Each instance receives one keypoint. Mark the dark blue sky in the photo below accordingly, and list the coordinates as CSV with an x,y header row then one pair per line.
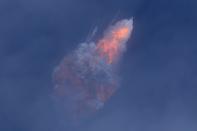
x,y
159,69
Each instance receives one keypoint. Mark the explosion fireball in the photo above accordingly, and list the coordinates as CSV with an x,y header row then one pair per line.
x,y
111,45
87,78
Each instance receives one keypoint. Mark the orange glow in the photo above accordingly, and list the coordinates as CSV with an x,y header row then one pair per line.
x,y
109,46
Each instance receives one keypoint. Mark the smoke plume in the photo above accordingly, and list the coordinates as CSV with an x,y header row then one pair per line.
x,y
87,78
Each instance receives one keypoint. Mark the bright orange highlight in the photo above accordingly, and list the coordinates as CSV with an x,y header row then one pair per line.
x,y
110,45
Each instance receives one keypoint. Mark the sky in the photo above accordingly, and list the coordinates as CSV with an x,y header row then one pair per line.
x,y
158,70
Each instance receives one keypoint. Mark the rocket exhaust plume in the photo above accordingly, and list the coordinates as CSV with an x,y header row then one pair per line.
x,y
87,78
